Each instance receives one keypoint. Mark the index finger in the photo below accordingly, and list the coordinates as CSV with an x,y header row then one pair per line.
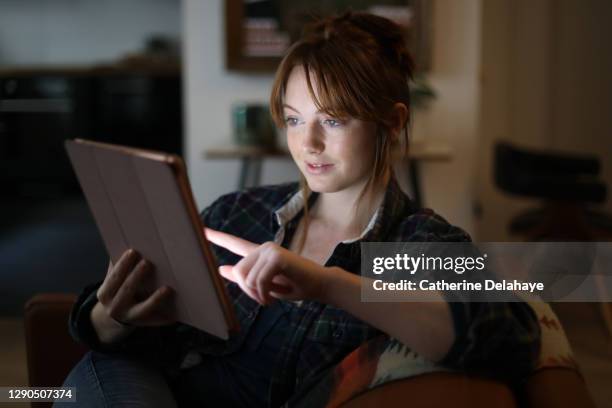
x,y
230,242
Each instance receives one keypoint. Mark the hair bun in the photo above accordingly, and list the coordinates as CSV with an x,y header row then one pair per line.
x,y
389,36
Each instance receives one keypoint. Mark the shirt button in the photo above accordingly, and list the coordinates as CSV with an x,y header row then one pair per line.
x,y
337,334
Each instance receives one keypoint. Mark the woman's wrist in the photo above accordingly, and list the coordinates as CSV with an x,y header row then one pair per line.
x,y
107,329
122,323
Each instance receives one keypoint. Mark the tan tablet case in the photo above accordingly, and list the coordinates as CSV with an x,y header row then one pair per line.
x,y
142,199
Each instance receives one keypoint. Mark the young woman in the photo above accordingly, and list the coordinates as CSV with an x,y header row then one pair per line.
x,y
291,254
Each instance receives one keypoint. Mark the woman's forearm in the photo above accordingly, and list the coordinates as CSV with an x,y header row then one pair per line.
x,y
425,327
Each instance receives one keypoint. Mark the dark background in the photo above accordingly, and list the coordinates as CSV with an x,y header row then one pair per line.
x,y
48,239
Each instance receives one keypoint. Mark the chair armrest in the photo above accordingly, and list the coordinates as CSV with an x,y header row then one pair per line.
x,y
436,390
557,387
51,352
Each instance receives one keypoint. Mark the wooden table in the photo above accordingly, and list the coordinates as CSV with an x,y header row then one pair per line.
x,y
252,158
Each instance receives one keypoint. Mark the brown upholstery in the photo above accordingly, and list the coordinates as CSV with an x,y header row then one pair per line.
x,y
558,388
437,390
52,353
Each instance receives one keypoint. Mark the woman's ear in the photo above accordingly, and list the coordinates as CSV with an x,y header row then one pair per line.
x,y
399,116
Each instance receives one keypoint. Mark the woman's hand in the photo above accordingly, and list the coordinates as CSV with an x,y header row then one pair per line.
x,y
269,271
123,301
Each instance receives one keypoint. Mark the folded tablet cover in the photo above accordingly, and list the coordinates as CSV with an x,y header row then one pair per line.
x,y
137,203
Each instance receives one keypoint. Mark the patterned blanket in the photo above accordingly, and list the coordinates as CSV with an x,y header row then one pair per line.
x,y
380,361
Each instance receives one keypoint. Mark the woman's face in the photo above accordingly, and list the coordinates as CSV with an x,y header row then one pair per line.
x,y
333,154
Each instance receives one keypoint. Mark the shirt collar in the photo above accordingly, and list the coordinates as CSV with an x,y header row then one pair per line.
x,y
393,206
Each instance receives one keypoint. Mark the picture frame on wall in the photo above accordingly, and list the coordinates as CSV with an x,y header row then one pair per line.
x,y
258,32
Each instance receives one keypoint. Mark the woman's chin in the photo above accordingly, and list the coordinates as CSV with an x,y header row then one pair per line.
x,y
319,186
323,186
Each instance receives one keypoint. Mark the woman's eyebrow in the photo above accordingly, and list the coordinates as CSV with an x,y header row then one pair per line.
x,y
290,107
297,111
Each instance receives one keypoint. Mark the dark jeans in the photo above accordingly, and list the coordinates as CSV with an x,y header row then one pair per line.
x,y
241,379
110,381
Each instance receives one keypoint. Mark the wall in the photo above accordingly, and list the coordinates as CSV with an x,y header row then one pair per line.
x,y
211,91
453,117
546,84
81,31
583,82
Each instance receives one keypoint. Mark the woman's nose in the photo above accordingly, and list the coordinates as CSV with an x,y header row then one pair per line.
x,y
312,140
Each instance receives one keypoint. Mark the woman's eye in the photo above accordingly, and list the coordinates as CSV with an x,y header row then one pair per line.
x,y
290,121
332,122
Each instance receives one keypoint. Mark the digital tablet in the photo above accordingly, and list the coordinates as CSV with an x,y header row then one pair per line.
x,y
142,199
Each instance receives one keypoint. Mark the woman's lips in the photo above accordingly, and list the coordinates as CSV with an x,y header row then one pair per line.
x,y
318,168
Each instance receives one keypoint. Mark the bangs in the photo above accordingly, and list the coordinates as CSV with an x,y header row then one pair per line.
x,y
335,85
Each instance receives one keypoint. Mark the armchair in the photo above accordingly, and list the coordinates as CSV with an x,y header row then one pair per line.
x,y
52,353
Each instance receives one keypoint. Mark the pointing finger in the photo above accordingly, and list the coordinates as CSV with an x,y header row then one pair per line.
x,y
281,286
230,242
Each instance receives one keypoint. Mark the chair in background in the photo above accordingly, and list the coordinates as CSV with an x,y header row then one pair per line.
x,y
567,184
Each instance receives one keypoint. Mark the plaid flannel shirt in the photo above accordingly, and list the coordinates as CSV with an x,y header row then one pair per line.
x,y
498,339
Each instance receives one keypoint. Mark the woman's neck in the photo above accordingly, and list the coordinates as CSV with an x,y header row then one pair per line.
x,y
338,209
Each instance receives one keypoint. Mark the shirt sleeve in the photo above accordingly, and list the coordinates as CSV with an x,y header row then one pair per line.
x,y
496,339
152,343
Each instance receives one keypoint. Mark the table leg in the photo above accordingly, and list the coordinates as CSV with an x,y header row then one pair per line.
x,y
250,173
415,185
244,171
255,172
